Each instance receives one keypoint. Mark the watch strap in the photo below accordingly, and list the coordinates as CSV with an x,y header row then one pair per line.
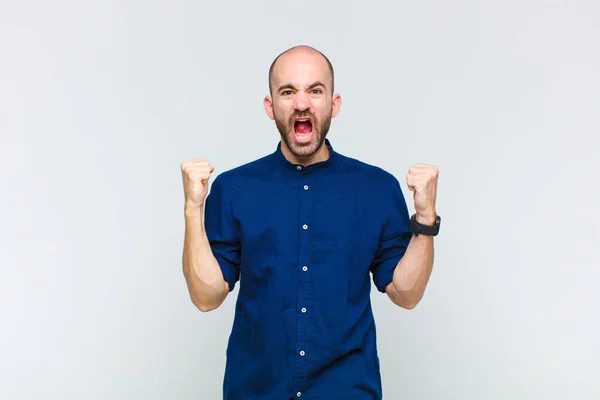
x,y
427,230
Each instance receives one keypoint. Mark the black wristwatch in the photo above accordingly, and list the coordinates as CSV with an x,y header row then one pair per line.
x,y
427,230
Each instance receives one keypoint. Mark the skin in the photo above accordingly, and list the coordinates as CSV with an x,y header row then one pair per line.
x,y
414,268
206,285
302,88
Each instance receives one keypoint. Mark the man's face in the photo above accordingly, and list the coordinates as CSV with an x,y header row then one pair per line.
x,y
302,102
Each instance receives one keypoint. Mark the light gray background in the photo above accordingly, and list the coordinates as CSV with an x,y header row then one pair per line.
x,y
101,101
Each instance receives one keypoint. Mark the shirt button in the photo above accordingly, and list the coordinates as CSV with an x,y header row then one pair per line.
x,y
305,187
304,226
303,309
298,168
302,353
305,268
299,394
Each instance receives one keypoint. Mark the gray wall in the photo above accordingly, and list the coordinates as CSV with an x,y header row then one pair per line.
x,y
101,101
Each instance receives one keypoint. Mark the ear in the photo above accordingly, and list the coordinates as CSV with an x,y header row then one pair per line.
x,y
336,105
268,104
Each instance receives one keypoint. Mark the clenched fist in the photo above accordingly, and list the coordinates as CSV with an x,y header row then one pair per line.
x,y
422,179
195,174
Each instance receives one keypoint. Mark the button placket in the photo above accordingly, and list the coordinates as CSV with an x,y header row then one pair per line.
x,y
305,194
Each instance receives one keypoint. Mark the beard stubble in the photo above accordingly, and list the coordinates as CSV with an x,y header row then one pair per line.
x,y
320,131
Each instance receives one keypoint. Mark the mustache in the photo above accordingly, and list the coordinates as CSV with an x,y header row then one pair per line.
x,y
303,115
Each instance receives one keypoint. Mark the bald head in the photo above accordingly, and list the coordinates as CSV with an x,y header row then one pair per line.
x,y
299,54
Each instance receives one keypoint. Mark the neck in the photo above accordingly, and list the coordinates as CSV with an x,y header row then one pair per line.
x,y
321,155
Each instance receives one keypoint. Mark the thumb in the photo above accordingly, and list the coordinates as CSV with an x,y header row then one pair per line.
x,y
207,178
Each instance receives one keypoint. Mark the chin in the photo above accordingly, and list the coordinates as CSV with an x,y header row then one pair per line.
x,y
303,148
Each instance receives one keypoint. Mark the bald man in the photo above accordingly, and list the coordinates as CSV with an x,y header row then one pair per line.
x,y
304,229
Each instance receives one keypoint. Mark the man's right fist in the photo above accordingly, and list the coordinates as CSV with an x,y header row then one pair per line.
x,y
195,174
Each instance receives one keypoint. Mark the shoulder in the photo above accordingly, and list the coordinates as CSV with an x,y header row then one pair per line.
x,y
377,184
368,173
242,174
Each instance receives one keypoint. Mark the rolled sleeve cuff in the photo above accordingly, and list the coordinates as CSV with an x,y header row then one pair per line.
x,y
383,274
230,272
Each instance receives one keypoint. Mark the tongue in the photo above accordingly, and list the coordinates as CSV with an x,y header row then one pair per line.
x,y
303,127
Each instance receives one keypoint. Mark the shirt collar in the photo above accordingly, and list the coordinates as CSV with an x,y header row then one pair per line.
x,y
280,158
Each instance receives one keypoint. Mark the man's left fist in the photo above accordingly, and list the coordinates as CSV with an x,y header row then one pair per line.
x,y
422,180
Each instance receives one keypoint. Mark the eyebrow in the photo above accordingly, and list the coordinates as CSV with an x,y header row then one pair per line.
x,y
290,86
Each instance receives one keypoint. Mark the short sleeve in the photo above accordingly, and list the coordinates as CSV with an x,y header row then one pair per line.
x,y
395,235
223,232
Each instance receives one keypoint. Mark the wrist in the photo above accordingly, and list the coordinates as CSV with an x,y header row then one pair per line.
x,y
193,210
427,218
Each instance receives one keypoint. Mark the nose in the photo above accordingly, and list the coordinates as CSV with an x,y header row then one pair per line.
x,y
301,102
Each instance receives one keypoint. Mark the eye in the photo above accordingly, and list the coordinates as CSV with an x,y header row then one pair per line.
x,y
286,92
317,91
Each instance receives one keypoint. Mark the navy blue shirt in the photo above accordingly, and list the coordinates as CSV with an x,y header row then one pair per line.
x,y
304,244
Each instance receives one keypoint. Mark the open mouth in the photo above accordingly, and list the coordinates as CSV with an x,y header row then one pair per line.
x,y
303,129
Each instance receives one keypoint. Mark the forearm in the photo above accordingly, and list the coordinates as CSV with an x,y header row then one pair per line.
x,y
203,275
412,272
